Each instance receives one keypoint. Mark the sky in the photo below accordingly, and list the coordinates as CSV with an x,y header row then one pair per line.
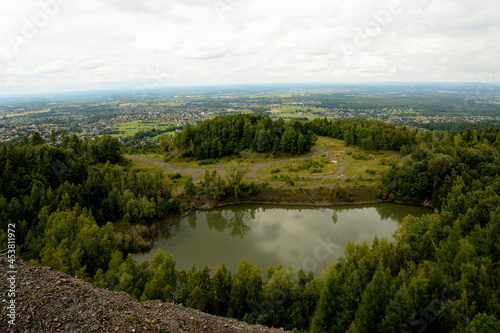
x,y
71,45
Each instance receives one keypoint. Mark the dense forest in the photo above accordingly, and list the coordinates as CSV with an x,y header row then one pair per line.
x,y
82,209
229,135
367,134
62,200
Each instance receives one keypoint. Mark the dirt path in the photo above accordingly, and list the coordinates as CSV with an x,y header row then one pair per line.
x,y
197,173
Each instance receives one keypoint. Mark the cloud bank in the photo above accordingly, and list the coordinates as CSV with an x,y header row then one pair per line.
x,y
53,45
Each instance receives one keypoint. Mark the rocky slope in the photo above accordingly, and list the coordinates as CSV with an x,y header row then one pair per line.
x,y
50,301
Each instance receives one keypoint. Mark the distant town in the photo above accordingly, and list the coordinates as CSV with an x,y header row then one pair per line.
x,y
148,117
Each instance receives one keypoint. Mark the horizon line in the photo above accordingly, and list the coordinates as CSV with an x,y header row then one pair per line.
x,y
147,91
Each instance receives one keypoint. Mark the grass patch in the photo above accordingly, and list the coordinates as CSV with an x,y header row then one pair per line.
x,y
287,180
310,166
359,160
359,181
329,180
146,166
244,158
334,145
208,162
133,127
362,167
25,113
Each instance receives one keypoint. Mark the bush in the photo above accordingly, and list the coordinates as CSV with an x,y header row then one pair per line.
x,y
360,157
208,162
385,161
370,171
167,157
252,189
275,170
173,176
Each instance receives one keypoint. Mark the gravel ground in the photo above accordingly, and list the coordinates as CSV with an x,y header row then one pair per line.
x,y
50,301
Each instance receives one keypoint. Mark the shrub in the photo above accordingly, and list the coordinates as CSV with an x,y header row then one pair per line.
x,y
173,176
208,162
360,157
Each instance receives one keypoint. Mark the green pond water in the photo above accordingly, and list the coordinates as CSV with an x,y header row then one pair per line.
x,y
303,237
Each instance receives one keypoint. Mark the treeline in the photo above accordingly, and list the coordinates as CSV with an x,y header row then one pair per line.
x,y
229,135
367,134
459,126
440,160
64,204
31,163
286,299
221,136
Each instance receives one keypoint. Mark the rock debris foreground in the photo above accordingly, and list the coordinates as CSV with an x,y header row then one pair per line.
x,y
51,301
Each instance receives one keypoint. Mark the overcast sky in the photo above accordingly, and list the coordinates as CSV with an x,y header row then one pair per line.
x,y
61,45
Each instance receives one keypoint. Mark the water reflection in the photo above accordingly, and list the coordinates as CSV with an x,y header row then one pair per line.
x,y
268,234
236,222
168,227
335,217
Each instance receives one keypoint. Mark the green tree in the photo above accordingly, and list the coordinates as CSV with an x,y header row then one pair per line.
x,y
165,143
235,174
483,323
288,140
53,138
373,302
263,141
163,281
222,284
189,188
37,139
246,290
398,312
213,184
326,315
279,293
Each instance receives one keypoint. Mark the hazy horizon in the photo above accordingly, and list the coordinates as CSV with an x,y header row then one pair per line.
x,y
139,90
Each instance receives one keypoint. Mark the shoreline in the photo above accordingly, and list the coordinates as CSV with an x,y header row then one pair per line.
x,y
309,204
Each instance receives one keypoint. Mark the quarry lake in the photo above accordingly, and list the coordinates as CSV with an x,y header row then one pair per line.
x,y
304,237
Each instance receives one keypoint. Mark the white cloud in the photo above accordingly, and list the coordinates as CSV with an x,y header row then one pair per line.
x,y
236,41
50,67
